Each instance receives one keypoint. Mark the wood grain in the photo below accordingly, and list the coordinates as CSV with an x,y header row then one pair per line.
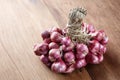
x,y
22,21
104,15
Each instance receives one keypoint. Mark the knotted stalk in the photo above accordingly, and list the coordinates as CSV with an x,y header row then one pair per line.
x,y
74,27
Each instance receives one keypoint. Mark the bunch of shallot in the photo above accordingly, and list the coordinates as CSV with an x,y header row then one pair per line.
x,y
64,50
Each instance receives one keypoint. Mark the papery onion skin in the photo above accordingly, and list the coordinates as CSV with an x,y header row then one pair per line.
x,y
68,48
82,50
56,29
69,57
53,45
45,60
54,54
40,49
100,56
56,37
90,28
66,41
93,59
45,34
100,35
80,63
70,69
47,40
94,46
58,67
102,49
104,41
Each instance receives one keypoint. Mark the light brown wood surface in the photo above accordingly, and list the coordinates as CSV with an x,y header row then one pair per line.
x,y
22,21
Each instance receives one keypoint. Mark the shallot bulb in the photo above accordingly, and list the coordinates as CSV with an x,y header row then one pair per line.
x,y
94,46
68,48
100,56
100,35
54,54
53,45
102,49
93,59
69,57
55,29
45,34
82,51
40,49
45,60
47,40
80,55
66,41
80,63
70,69
104,41
56,37
58,67
90,28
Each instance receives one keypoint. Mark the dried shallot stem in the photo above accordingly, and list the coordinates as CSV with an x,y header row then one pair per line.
x,y
74,26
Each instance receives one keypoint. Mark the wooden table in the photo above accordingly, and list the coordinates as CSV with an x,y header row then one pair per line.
x,y
22,21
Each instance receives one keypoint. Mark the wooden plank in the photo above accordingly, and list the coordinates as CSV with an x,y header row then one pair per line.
x,y
21,22
104,15
8,70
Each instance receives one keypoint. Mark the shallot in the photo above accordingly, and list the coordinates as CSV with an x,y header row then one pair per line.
x,y
56,37
91,58
47,40
100,35
82,51
40,49
45,60
68,48
54,54
58,67
69,57
94,46
66,41
104,41
45,34
55,29
80,63
53,45
70,68
73,47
